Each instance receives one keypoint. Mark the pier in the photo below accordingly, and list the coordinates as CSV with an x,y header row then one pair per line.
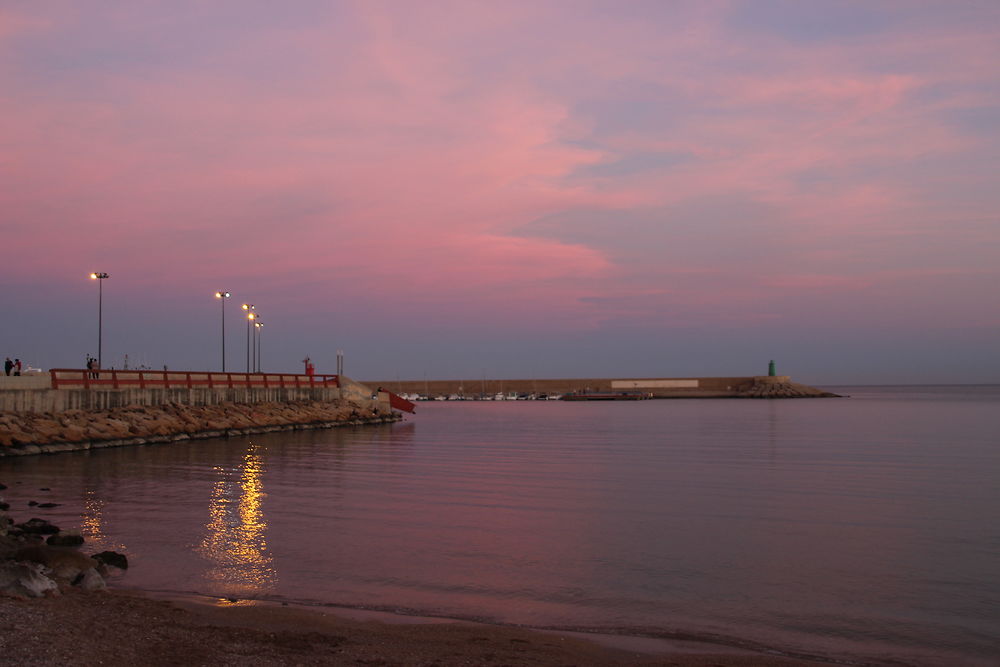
x,y
70,409
759,386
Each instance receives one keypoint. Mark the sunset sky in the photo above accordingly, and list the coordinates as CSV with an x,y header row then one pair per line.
x,y
506,189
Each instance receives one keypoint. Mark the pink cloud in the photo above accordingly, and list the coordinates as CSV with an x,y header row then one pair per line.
x,y
412,150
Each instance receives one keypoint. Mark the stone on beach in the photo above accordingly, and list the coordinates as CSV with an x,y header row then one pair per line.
x,y
31,569
19,579
65,539
112,558
37,527
64,562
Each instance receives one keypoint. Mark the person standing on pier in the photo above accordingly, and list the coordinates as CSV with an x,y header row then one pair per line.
x,y
7,366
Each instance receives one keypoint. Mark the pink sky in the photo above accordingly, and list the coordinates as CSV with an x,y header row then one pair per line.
x,y
507,189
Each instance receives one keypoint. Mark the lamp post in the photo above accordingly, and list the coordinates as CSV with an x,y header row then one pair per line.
x,y
100,278
249,307
222,296
258,335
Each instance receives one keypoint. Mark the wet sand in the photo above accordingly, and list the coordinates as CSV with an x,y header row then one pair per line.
x,y
126,628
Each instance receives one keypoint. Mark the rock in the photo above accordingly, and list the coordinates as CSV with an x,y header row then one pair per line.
x,y
65,540
74,433
25,580
8,545
90,580
38,527
112,558
65,563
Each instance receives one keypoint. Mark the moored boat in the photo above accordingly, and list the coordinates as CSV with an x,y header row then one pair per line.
x,y
608,396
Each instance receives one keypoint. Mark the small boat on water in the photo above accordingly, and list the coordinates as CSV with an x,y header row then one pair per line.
x,y
607,396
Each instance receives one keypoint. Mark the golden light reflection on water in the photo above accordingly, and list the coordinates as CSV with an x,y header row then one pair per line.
x,y
92,523
236,533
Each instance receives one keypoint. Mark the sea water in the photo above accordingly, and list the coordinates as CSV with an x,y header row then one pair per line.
x,y
857,529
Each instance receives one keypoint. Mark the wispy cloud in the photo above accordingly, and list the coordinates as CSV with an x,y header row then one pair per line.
x,y
559,165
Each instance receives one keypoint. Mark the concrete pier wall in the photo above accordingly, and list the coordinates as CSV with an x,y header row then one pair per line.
x,y
657,386
689,387
35,419
34,394
59,400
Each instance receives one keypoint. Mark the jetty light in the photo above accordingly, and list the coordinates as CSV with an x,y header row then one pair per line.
x,y
249,307
99,276
222,295
257,326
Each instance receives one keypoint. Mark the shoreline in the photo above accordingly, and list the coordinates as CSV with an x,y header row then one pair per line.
x,y
641,644
121,626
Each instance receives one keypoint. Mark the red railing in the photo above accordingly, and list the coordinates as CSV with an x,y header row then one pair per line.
x,y
117,379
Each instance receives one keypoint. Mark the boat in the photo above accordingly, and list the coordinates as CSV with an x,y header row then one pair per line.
x,y
607,396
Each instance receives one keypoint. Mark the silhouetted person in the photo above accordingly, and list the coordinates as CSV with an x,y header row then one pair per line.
x,y
7,366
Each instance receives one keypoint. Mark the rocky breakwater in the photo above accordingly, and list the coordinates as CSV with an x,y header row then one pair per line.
x,y
48,432
38,559
781,386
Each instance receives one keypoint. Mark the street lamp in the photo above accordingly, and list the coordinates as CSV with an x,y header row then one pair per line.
x,y
249,307
100,278
222,296
258,335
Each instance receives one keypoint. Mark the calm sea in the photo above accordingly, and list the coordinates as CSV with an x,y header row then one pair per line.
x,y
859,529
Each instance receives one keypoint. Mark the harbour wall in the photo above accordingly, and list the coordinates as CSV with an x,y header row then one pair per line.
x,y
780,386
26,433
37,419
35,394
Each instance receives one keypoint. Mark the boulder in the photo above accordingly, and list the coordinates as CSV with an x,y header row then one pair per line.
x,y
112,558
25,580
65,540
8,545
64,563
90,580
74,433
38,527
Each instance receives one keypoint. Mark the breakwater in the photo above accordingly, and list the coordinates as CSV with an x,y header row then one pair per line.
x,y
781,386
72,409
50,432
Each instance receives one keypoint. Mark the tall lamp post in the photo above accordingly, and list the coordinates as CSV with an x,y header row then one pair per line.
x,y
249,307
258,335
100,278
222,296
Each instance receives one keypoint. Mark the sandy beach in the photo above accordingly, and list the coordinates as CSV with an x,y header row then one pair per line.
x,y
128,628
